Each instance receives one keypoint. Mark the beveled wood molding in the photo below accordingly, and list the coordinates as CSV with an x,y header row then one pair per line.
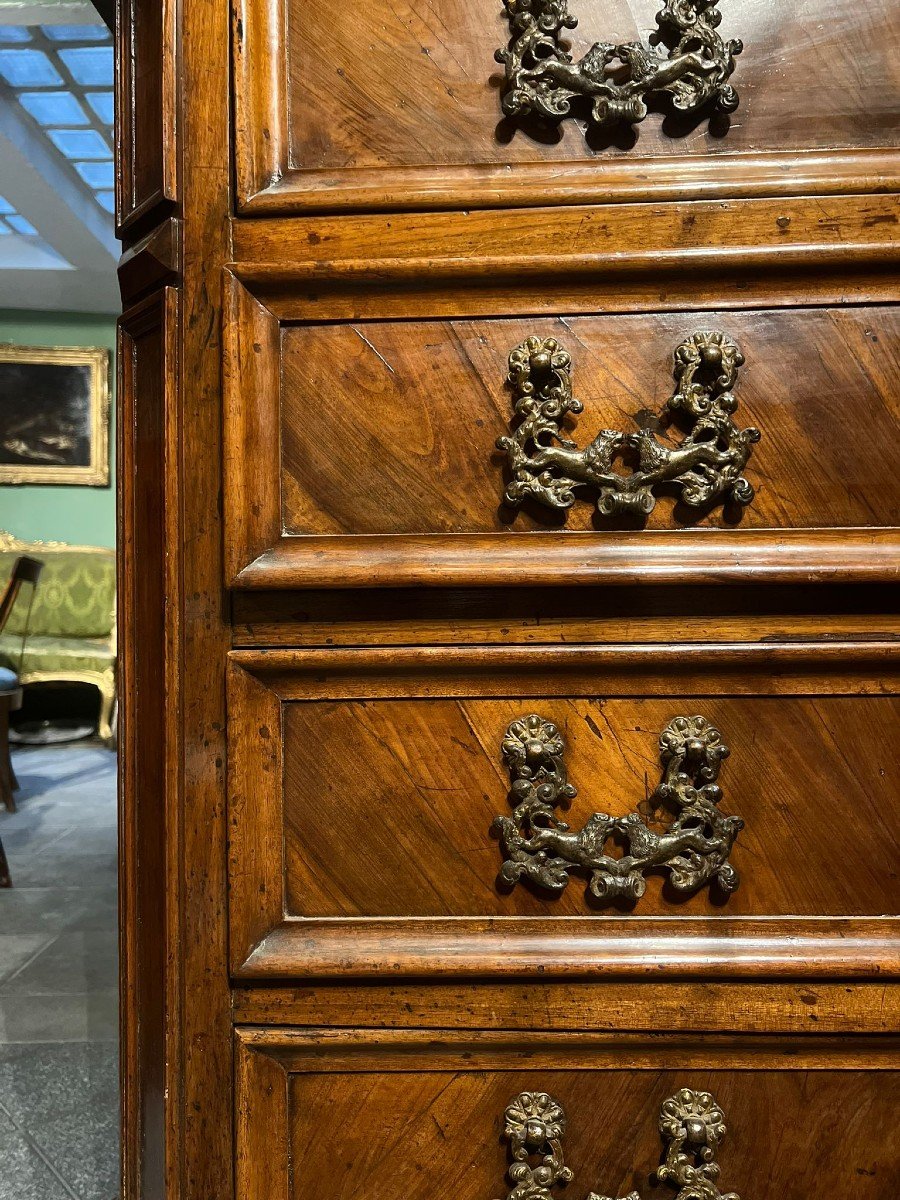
x,y
271,188
151,262
680,948
268,945
612,258
703,556
833,668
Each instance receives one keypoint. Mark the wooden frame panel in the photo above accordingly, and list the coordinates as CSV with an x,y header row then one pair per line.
x,y
267,944
263,297
149,690
146,111
286,1079
268,181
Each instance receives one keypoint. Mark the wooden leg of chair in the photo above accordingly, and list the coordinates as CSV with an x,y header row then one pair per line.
x,y
5,880
107,700
7,779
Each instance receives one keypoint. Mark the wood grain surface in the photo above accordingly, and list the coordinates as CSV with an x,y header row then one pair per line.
x,y
391,427
332,106
368,1115
388,804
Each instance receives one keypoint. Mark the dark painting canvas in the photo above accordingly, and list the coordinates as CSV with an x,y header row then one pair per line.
x,y
53,416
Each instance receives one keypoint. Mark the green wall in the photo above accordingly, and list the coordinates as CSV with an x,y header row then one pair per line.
x,y
85,516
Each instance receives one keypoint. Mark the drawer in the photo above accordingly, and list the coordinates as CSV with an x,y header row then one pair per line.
x,y
408,452
386,106
355,1114
447,810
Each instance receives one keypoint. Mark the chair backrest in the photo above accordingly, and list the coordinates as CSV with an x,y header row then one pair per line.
x,y
77,596
24,570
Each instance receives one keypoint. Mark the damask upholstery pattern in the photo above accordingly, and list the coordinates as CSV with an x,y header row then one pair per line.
x,y
71,630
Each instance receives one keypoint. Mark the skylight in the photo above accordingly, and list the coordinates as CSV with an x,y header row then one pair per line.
x,y
62,78
21,246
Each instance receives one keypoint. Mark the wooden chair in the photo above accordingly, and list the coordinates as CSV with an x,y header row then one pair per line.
x,y
25,570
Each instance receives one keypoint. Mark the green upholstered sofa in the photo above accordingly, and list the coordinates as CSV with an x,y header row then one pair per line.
x,y
72,627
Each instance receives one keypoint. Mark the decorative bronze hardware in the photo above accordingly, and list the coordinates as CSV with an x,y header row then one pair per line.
x,y
694,849
706,465
542,78
691,1124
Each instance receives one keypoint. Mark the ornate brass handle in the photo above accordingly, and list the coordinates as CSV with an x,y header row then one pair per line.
x,y
540,847
692,68
691,1124
706,465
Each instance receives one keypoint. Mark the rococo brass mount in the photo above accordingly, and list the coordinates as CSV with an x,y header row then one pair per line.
x,y
691,1124
542,78
694,849
706,465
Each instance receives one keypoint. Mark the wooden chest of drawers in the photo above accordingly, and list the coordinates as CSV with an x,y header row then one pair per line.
x,y
509,535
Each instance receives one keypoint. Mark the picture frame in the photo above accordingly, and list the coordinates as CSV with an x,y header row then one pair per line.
x,y
54,415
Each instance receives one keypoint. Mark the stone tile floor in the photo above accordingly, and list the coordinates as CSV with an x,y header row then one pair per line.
x,y
59,1084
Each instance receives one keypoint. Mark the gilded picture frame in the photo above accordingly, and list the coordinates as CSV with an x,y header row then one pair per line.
x,y
54,415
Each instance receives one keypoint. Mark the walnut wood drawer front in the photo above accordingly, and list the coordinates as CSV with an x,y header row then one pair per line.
x,y
352,1115
386,106
366,454
461,811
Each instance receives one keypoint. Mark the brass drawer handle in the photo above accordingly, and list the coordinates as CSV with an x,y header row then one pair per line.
x,y
706,465
691,67
542,849
691,1124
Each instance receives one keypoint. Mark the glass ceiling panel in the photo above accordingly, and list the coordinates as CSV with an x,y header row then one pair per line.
x,y
20,225
75,33
102,104
28,68
21,246
91,66
63,82
80,143
96,174
54,108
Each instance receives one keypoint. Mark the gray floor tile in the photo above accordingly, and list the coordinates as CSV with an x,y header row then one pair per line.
x,y
23,1173
64,1017
17,949
66,1097
74,961
63,865
58,980
51,910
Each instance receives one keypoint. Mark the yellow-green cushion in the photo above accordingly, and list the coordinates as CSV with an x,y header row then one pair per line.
x,y
75,597
55,655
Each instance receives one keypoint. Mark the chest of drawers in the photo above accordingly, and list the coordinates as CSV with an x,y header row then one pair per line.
x,y
510,553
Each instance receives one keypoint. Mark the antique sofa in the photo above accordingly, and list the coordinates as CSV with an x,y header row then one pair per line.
x,y
72,627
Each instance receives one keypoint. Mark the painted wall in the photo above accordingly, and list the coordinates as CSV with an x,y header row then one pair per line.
x,y
85,516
